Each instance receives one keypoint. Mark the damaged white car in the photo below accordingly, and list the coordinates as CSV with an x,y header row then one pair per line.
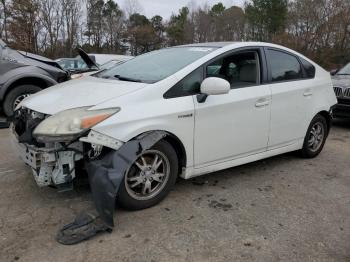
x,y
181,111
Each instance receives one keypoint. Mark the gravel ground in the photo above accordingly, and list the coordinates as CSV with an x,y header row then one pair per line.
x,y
280,209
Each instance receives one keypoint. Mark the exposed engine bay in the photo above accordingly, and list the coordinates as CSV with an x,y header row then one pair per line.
x,y
52,164
55,163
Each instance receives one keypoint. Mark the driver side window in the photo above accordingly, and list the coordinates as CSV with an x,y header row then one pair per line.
x,y
240,69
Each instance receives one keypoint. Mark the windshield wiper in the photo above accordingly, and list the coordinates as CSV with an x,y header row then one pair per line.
x,y
123,78
343,74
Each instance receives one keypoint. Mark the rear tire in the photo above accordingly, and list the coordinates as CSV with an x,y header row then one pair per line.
x,y
16,95
161,179
315,137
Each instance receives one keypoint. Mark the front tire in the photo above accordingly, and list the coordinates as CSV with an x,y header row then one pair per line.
x,y
16,95
315,137
150,178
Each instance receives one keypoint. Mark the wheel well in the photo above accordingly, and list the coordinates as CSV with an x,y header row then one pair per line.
x,y
328,118
28,81
179,148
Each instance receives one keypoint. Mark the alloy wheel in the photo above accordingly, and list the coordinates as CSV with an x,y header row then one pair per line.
x,y
148,175
316,136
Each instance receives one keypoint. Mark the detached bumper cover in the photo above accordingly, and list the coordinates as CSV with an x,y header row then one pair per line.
x,y
105,176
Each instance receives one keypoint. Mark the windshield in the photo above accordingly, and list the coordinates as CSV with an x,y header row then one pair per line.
x,y
157,65
345,70
110,64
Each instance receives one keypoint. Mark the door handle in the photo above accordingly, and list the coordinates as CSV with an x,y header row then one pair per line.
x,y
308,92
262,102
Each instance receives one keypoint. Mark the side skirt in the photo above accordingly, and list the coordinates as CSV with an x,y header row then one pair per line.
x,y
191,172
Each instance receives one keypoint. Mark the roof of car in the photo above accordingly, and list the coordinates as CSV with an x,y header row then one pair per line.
x,y
210,44
65,58
232,43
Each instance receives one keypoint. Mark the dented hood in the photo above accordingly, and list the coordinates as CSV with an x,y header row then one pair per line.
x,y
87,91
30,57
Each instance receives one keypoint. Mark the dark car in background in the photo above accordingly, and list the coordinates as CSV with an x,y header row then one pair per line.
x,y
85,63
73,64
341,85
22,74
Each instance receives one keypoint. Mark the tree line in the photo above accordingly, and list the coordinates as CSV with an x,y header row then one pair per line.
x,y
320,29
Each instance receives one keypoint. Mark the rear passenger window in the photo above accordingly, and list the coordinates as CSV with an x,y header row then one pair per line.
x,y
284,67
309,68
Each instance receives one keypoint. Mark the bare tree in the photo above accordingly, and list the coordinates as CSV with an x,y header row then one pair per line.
x,y
321,32
3,17
234,24
24,26
132,7
71,15
202,23
52,21
113,25
320,29
95,23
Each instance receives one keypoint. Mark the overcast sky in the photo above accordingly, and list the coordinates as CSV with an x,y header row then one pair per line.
x,y
166,7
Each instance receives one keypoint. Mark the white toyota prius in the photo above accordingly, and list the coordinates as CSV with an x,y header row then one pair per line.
x,y
192,110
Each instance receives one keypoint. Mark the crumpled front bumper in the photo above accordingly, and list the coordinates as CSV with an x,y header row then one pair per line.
x,y
50,165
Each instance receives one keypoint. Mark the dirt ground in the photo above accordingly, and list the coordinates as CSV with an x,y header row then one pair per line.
x,y
280,209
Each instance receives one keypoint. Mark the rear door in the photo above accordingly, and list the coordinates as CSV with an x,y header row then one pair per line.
x,y
292,93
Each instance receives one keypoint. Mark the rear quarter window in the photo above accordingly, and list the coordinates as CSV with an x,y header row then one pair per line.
x,y
310,70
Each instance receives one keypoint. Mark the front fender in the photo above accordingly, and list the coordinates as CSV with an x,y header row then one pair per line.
x,y
128,131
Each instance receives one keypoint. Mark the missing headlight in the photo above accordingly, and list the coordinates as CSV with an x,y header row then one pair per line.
x,y
24,122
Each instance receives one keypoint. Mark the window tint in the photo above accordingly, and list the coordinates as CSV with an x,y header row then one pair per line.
x,y
284,66
190,85
309,68
241,69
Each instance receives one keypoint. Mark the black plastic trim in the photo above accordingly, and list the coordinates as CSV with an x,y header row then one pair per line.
x,y
201,98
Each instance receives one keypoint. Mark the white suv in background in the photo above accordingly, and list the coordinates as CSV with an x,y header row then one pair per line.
x,y
209,107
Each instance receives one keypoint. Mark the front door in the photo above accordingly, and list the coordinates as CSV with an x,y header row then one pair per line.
x,y
235,124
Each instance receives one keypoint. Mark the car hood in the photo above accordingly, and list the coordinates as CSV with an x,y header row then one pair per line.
x,y
29,57
341,80
87,59
87,91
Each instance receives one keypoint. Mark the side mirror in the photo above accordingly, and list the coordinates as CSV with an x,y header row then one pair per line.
x,y
213,86
334,71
